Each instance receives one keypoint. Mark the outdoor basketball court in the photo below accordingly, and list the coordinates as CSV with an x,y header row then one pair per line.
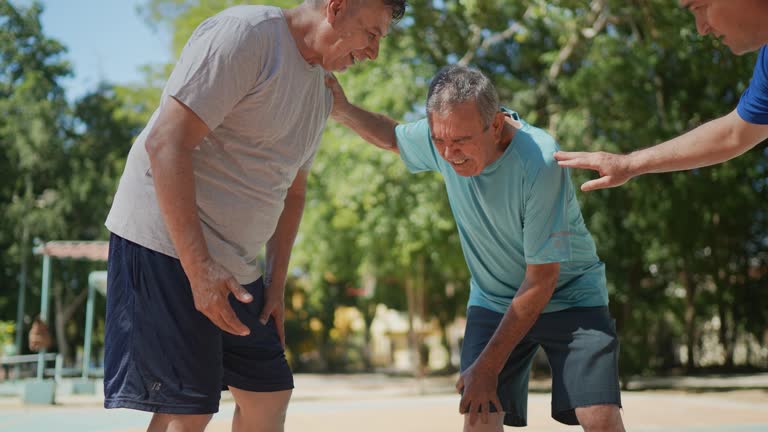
x,y
377,404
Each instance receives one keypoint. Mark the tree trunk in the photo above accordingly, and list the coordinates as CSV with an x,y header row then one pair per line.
x,y
725,334
690,314
64,313
368,309
413,343
445,342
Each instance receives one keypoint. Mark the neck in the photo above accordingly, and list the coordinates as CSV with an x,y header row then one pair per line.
x,y
508,132
302,23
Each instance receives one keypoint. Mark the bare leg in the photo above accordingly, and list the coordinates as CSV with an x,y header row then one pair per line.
x,y
495,423
179,422
600,418
260,411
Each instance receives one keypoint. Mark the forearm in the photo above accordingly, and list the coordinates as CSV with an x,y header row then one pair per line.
x,y
709,144
175,188
375,128
279,246
523,312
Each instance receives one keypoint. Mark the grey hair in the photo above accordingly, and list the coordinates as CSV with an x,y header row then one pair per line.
x,y
454,84
398,7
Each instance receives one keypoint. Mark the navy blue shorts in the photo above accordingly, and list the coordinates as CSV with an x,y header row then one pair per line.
x,y
162,355
583,353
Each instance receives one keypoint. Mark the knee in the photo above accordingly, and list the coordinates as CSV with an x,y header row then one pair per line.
x,y
254,414
179,422
600,418
261,411
495,423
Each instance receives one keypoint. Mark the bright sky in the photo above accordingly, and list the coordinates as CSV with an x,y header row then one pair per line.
x,y
107,40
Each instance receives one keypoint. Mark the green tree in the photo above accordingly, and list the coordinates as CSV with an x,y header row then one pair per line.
x,y
60,166
612,75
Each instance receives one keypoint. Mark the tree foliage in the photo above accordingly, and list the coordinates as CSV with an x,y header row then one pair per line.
x,y
683,250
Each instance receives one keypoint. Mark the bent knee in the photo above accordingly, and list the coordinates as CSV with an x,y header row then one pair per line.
x,y
600,418
179,422
495,423
268,407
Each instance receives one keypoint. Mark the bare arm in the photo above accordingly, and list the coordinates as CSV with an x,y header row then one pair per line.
x,y
479,381
377,129
177,131
279,252
709,144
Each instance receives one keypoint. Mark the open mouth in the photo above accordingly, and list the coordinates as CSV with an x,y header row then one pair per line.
x,y
459,161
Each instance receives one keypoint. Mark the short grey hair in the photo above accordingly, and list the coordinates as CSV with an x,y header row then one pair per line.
x,y
454,84
398,6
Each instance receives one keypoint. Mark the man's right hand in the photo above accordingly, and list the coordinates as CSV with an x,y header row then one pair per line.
x,y
211,284
613,168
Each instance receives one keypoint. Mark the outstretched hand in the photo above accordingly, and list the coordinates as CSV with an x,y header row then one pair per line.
x,y
339,98
613,168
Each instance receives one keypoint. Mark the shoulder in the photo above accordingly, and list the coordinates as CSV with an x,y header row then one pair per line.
x,y
246,24
417,131
253,15
536,149
762,60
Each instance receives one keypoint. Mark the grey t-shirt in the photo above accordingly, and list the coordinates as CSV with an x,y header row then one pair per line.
x,y
266,107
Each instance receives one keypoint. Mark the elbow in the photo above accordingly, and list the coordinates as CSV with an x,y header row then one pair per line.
x,y
159,146
391,141
392,146
152,146
544,276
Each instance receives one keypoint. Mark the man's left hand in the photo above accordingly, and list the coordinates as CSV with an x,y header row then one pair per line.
x,y
274,306
477,385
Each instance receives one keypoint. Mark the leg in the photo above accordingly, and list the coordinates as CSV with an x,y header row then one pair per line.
x,y
161,355
582,349
495,423
260,411
600,418
512,387
255,369
178,423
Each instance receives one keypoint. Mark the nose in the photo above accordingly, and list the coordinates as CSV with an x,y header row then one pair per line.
x,y
370,52
449,152
702,26
373,49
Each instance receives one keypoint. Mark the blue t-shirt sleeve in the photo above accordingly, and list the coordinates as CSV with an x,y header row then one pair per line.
x,y
546,238
415,145
753,106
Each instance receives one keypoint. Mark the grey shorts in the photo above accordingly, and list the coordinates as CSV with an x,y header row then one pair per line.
x,y
582,349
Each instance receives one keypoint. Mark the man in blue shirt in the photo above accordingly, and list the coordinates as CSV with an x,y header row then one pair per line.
x,y
536,278
741,24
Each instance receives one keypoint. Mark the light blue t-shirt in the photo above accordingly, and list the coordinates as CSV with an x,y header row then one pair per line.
x,y
520,210
753,105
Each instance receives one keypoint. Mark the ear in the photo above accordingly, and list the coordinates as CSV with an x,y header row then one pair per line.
x,y
498,124
333,9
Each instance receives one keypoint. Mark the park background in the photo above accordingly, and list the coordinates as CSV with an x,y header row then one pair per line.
x,y
377,279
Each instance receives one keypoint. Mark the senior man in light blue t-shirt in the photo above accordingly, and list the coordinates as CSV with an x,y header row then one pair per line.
x,y
536,278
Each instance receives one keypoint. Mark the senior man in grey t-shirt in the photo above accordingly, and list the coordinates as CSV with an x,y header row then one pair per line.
x,y
219,173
